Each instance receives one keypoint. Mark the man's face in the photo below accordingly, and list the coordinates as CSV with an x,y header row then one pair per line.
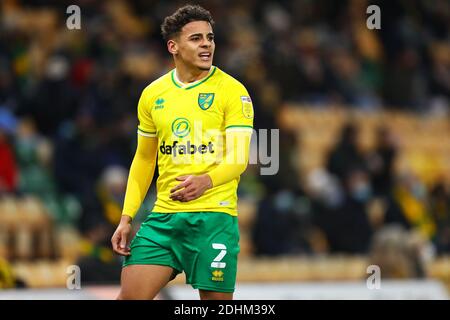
x,y
194,46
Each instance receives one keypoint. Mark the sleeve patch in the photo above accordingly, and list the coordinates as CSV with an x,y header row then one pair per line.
x,y
247,107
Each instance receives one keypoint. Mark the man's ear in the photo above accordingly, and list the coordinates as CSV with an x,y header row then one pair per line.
x,y
172,47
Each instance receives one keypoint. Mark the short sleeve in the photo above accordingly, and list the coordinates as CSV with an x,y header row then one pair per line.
x,y
239,109
146,127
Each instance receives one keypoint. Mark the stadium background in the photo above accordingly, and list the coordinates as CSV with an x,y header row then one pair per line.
x,y
364,173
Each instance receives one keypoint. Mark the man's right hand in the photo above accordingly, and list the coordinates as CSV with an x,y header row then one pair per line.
x,y
120,238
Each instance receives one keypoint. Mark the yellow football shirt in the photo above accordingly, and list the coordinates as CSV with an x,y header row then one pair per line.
x,y
190,122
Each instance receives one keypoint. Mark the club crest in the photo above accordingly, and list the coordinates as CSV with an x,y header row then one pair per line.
x,y
205,100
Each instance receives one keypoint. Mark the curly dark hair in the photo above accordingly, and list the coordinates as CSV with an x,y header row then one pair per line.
x,y
173,24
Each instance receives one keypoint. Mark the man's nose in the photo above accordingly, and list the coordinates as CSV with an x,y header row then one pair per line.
x,y
206,43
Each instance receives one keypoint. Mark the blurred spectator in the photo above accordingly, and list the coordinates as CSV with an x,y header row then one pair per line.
x,y
8,168
389,212
54,99
381,162
288,175
8,279
400,254
79,156
405,85
35,153
347,80
111,192
282,220
97,261
440,75
411,195
346,155
440,210
349,229
104,205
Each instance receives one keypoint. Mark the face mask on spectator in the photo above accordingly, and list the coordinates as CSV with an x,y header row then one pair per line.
x,y
361,192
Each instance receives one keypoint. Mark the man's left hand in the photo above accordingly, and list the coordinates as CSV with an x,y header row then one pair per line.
x,y
192,187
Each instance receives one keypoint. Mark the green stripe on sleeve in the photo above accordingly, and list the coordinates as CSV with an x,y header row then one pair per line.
x,y
153,132
237,126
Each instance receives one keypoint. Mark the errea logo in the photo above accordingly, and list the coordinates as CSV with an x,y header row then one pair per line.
x,y
159,103
217,275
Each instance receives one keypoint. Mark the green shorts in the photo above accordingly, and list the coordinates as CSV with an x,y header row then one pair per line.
x,y
205,245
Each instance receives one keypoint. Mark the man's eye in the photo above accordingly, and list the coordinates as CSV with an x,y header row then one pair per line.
x,y
195,38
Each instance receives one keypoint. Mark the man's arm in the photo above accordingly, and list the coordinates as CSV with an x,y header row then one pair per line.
x,y
236,158
141,174
232,166
139,179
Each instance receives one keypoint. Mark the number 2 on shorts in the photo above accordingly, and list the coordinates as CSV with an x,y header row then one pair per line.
x,y
217,260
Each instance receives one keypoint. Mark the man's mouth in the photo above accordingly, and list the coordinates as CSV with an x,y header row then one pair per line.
x,y
205,56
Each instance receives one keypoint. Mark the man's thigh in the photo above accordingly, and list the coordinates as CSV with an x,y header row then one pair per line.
x,y
209,253
151,263
143,282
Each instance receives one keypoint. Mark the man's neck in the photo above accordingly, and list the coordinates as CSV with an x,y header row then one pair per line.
x,y
187,75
